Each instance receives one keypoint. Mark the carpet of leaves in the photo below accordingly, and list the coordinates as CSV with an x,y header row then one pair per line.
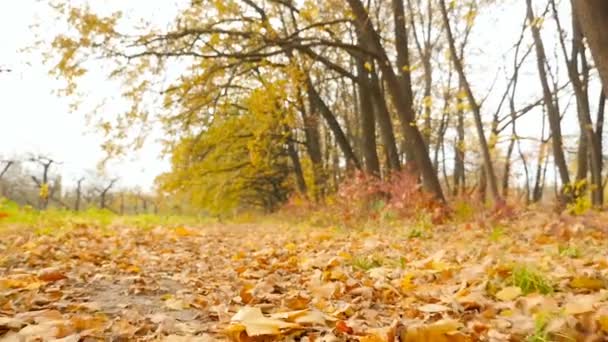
x,y
537,278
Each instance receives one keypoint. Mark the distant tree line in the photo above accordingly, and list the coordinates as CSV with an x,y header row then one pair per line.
x,y
36,181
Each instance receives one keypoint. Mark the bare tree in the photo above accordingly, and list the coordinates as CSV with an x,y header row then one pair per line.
x,y
490,175
46,190
400,91
593,16
553,114
6,167
103,193
78,194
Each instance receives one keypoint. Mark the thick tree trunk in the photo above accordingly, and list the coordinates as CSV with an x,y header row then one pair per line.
x,y
593,18
400,93
403,77
590,150
367,119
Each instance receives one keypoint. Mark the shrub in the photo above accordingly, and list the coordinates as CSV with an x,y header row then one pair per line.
x,y
364,197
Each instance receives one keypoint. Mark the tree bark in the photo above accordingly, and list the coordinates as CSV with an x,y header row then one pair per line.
x,y
385,124
333,125
593,18
402,102
552,111
297,166
475,108
367,119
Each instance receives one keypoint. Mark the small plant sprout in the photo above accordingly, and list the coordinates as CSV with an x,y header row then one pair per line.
x,y
569,251
530,280
366,263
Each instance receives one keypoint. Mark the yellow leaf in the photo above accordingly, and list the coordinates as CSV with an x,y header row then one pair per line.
x,y
409,68
183,231
345,255
406,283
257,324
508,293
368,66
427,101
603,320
444,330
580,304
433,308
176,304
587,283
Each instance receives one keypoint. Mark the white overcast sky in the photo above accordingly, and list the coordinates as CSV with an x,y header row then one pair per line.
x,y
34,120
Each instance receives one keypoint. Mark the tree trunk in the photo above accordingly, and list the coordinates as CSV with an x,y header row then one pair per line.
x,y
333,125
385,124
313,146
593,18
402,102
590,150
367,119
483,144
459,155
403,78
552,111
297,166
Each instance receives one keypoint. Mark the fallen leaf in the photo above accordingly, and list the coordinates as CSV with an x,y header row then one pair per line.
x,y
341,326
176,304
580,304
440,331
509,293
257,324
433,308
51,275
587,283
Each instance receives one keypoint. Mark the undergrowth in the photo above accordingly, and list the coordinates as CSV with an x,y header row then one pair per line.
x,y
530,280
53,220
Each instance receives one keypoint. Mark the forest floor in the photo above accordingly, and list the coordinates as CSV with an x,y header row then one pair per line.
x,y
538,278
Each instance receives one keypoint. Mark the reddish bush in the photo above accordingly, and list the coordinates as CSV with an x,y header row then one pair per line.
x,y
364,196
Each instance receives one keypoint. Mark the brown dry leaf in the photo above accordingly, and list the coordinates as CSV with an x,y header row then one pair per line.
x,y
176,304
45,331
433,308
257,324
603,321
580,304
11,323
444,330
588,283
179,338
81,323
509,293
305,317
51,275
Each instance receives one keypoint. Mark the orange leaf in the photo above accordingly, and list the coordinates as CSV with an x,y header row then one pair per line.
x,y
343,327
52,276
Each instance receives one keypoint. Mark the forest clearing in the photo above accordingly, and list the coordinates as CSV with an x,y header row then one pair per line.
x,y
304,170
